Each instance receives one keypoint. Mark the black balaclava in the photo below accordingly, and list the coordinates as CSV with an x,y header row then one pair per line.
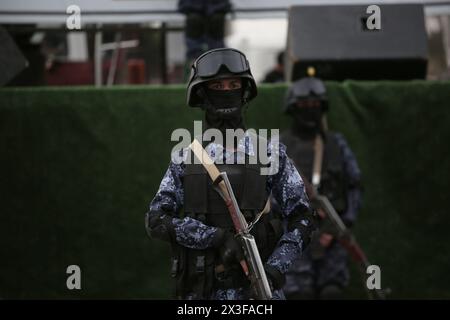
x,y
307,120
225,109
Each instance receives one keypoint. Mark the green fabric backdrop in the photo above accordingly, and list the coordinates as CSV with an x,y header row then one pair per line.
x,y
79,166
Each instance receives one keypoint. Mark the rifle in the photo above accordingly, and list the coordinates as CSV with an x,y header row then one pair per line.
x,y
345,238
252,265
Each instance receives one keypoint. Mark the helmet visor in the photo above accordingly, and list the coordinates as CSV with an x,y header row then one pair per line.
x,y
210,64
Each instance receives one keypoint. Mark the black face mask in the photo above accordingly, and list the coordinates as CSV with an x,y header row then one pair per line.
x,y
308,120
226,104
225,110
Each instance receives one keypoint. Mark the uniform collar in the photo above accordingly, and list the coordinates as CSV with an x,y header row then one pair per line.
x,y
245,146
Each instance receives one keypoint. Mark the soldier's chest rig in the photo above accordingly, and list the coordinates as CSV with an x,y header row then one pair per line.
x,y
333,182
202,202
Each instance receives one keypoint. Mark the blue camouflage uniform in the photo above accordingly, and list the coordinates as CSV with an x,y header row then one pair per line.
x,y
286,186
309,274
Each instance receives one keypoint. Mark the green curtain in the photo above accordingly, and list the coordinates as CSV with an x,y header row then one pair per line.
x,y
79,166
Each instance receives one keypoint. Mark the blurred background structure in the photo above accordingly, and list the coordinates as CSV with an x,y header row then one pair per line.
x,y
142,42
79,166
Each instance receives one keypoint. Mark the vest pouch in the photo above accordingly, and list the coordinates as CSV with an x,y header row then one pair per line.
x,y
199,275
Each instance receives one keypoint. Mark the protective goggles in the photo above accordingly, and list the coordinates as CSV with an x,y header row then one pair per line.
x,y
210,63
313,86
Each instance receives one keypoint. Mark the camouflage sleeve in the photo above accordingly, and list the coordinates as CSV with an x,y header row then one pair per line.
x,y
289,191
194,234
165,208
289,248
353,174
170,195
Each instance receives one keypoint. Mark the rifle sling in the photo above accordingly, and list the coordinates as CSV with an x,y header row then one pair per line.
x,y
318,160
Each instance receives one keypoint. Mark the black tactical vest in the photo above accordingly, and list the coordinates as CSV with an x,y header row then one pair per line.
x,y
333,181
195,269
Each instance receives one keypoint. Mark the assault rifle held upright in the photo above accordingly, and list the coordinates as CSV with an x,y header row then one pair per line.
x,y
340,231
252,265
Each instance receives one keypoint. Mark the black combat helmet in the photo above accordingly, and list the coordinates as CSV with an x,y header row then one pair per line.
x,y
217,64
306,88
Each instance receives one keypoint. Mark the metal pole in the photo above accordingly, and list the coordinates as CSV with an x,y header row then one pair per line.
x,y
98,52
114,60
163,48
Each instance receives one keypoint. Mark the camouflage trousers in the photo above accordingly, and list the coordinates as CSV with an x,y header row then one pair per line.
x,y
316,271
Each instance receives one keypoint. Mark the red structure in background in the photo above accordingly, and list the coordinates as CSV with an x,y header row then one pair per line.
x,y
136,71
82,73
70,73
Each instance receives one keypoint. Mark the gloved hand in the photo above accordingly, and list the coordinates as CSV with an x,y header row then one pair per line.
x,y
159,225
231,250
275,277
305,222
326,239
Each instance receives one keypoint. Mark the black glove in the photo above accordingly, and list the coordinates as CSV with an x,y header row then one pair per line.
x,y
348,223
275,277
298,219
159,225
230,249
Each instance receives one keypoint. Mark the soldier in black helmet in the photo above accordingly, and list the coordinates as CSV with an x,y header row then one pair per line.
x,y
322,271
187,212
